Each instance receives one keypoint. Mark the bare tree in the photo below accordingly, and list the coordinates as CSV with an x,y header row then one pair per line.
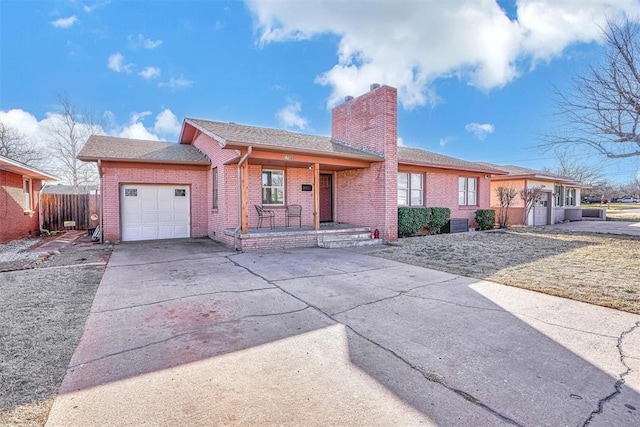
x,y
16,146
602,110
569,165
505,197
530,196
68,132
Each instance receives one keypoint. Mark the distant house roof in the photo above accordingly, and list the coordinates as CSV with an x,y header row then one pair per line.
x,y
25,170
233,135
520,172
100,147
417,156
68,189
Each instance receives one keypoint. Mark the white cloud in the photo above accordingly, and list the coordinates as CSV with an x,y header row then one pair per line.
x,y
474,41
401,142
137,131
64,22
116,63
176,83
289,116
446,140
167,123
141,41
480,130
150,72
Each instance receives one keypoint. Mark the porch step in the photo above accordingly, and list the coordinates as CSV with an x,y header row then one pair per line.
x,y
347,240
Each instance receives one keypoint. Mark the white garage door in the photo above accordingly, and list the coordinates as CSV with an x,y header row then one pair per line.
x,y
152,212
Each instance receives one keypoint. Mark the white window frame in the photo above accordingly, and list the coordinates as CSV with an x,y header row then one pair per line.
x,y
215,191
570,197
410,189
27,184
559,195
464,192
273,187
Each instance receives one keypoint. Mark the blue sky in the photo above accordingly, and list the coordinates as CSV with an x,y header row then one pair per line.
x,y
473,77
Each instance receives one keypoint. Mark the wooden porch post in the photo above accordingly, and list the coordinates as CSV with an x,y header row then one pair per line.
x,y
316,196
245,196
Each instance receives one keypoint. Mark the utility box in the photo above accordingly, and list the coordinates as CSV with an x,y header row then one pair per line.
x,y
456,225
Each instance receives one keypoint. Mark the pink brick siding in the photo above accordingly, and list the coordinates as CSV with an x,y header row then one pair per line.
x,y
369,197
441,190
14,223
114,174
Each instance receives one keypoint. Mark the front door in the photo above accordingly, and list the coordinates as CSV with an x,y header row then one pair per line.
x,y
326,197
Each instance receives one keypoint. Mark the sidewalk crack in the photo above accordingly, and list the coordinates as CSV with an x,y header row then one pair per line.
x,y
621,378
173,337
461,393
183,297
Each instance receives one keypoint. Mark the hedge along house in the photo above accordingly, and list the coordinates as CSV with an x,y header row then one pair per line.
x,y
560,201
20,187
215,181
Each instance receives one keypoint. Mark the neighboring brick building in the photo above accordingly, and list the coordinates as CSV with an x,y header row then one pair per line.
x,y
20,187
215,180
560,201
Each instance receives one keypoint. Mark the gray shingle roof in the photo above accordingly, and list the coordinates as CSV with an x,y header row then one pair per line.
x,y
513,171
428,158
137,150
279,138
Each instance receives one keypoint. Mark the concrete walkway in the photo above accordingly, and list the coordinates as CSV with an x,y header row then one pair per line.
x,y
185,333
612,227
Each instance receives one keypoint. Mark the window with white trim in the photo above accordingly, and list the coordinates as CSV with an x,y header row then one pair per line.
x,y
570,199
558,193
214,186
467,191
273,187
410,189
28,194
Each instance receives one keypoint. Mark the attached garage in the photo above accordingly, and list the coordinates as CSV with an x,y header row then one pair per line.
x,y
151,212
149,189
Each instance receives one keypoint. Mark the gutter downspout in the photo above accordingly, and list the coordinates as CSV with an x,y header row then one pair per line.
x,y
101,199
240,163
40,221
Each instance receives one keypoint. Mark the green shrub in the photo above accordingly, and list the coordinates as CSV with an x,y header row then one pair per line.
x,y
439,217
485,218
410,220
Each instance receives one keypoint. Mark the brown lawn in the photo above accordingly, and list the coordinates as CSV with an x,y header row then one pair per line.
x,y
598,269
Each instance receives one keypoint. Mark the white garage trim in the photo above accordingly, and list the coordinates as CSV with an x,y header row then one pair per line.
x,y
151,212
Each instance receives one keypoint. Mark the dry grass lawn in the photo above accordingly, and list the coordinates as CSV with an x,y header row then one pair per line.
x,y
595,268
42,313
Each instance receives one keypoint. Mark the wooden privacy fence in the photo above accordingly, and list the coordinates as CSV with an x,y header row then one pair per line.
x,y
60,208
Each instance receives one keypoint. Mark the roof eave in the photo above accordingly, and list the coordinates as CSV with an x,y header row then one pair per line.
x,y
450,167
26,170
156,161
240,144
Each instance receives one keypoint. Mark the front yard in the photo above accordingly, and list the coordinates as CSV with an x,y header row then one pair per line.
x,y
598,269
44,305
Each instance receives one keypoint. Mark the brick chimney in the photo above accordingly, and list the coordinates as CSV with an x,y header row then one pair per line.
x,y
370,121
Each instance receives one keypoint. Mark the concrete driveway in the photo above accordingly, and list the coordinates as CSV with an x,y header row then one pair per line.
x,y
186,333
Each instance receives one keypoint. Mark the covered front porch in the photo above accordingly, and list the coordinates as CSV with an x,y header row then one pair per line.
x,y
285,178
328,235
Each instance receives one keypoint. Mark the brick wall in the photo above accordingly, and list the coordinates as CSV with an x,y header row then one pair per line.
x,y
115,173
14,223
369,196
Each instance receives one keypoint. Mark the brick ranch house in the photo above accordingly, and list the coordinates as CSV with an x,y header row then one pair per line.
x,y
560,202
214,180
20,187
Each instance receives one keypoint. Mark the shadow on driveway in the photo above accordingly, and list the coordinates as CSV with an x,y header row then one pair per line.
x,y
184,332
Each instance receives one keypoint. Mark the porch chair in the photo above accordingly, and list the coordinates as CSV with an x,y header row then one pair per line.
x,y
293,211
265,213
